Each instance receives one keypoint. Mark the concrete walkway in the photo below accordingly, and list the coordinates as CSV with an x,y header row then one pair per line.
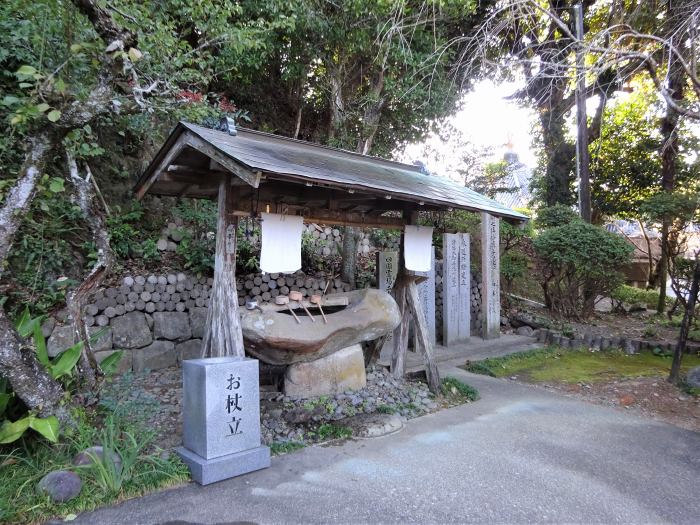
x,y
519,455
475,350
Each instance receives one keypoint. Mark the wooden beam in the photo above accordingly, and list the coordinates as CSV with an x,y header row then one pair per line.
x,y
238,169
420,327
168,159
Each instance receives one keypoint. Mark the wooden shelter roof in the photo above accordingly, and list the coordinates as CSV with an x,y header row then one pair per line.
x,y
276,170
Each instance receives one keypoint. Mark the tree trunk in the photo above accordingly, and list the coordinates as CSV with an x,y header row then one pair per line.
x,y
223,335
29,379
75,301
669,149
349,255
674,376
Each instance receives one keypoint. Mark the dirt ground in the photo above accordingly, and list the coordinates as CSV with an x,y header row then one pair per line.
x,y
647,396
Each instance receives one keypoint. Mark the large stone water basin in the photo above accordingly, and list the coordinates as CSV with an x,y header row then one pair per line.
x,y
273,335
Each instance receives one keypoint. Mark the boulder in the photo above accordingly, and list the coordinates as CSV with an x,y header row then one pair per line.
x,y
526,319
47,327
130,331
693,379
159,354
92,454
191,349
104,341
330,375
275,337
125,363
174,326
524,330
198,318
60,485
61,339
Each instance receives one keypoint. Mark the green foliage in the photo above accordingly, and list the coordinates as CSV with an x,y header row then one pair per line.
x,y
631,295
576,366
278,448
58,368
30,460
124,233
680,206
44,252
199,242
553,216
328,431
579,263
454,387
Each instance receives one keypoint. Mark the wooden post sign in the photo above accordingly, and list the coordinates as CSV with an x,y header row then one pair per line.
x,y
426,295
456,281
387,270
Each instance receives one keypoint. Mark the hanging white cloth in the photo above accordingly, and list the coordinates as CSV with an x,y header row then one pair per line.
x,y
417,252
281,243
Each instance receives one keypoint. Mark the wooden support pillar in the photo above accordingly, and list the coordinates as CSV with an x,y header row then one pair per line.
x,y
406,296
222,334
490,277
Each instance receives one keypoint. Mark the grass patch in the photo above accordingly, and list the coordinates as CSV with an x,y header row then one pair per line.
x,y
452,387
145,468
579,366
332,431
285,447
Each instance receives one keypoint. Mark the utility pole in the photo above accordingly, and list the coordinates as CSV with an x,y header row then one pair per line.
x,y
582,157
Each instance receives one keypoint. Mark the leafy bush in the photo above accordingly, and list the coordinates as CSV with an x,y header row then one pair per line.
x,y
553,216
579,262
631,295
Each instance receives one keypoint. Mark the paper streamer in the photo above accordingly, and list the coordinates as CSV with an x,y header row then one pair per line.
x,y
417,252
281,243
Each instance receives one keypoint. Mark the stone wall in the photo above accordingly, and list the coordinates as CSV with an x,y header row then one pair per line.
x,y
158,320
476,315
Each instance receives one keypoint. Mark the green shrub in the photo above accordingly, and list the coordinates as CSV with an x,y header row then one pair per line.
x,y
579,262
553,216
631,295
454,387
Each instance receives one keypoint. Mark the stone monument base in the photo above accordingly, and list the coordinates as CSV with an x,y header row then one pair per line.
x,y
206,471
330,375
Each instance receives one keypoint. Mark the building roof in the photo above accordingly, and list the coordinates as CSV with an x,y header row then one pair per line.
x,y
286,160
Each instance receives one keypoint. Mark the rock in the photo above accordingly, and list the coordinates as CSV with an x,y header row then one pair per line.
x,y
628,347
276,338
60,485
159,354
104,341
191,349
149,321
174,326
130,331
301,415
693,379
526,319
373,425
524,330
61,339
340,371
627,400
198,318
125,363
92,454
47,327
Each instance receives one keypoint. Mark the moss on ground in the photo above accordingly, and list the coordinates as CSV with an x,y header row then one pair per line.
x,y
579,366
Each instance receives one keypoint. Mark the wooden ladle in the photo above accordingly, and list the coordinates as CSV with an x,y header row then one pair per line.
x,y
299,298
316,299
282,300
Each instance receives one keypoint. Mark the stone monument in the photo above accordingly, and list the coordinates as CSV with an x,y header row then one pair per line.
x,y
491,277
221,411
456,285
